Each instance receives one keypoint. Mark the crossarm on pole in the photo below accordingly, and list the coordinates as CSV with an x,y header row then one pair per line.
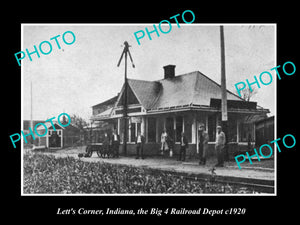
x,y
131,59
121,57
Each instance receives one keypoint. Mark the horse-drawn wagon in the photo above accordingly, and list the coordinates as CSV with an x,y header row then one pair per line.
x,y
101,151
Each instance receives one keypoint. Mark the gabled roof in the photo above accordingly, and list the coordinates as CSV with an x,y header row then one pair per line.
x,y
192,88
104,114
182,91
110,101
26,125
49,126
147,92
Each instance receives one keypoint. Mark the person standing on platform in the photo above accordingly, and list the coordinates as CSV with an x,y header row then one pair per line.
x,y
183,147
171,144
164,143
220,144
202,144
115,142
139,141
105,145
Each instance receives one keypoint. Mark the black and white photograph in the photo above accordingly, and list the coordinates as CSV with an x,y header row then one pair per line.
x,y
148,109
140,111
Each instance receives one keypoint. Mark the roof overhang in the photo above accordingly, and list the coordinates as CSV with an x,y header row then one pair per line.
x,y
49,126
193,107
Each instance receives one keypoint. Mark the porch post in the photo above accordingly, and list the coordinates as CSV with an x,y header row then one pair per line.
x,y
183,130
61,138
143,126
206,122
194,130
238,130
118,126
174,123
156,130
197,137
47,139
146,129
129,129
174,129
254,133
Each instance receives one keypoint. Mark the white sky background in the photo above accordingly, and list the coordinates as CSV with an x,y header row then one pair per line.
x,y
78,76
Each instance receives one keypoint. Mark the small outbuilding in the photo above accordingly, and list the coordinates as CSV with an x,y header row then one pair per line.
x,y
57,137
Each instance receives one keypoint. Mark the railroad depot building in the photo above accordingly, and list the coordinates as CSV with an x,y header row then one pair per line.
x,y
178,103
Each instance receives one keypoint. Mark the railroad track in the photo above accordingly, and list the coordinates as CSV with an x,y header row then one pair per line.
x,y
255,185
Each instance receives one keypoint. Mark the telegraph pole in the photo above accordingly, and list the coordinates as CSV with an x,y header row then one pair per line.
x,y
31,121
224,123
125,104
223,78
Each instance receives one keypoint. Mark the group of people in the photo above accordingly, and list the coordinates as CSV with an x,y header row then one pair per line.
x,y
166,145
219,145
110,145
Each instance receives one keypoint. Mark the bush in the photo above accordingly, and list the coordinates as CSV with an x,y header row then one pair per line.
x,y
47,174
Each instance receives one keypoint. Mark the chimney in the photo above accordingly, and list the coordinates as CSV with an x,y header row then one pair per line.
x,y
169,71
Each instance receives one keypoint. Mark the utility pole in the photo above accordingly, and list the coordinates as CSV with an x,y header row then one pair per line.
x,y
125,105
223,77
224,123
31,121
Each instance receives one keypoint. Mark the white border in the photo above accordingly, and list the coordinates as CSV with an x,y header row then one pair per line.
x,y
143,24
22,107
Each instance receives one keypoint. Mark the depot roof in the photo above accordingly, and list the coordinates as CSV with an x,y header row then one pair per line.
x,y
186,90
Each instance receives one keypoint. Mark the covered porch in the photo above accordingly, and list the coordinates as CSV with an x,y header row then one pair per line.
x,y
241,128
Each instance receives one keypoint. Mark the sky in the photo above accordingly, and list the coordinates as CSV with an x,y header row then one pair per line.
x,y
77,76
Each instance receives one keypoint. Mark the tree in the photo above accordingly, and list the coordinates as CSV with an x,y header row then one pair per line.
x,y
82,125
78,121
247,94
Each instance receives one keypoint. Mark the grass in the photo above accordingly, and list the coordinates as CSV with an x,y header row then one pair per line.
x,y
47,174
